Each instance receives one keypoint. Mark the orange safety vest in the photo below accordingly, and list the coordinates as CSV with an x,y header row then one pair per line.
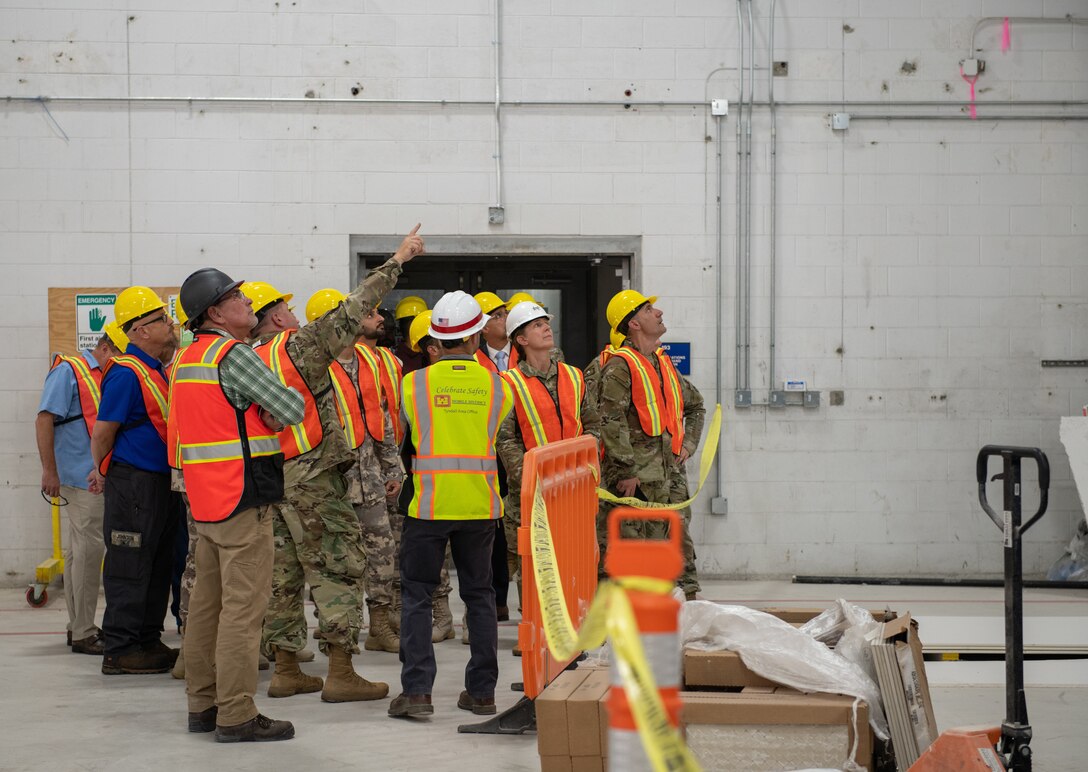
x,y
153,389
658,400
230,459
541,417
88,388
486,361
607,353
296,439
348,408
391,373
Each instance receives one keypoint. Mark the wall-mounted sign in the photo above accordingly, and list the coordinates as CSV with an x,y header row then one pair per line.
x,y
680,354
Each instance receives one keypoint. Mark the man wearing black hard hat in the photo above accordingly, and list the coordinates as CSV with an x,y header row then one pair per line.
x,y
226,407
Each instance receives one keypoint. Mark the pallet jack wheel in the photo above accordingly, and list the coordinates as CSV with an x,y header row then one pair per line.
x,y
33,599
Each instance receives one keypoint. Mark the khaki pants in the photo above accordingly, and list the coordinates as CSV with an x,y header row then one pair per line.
x,y
82,558
228,601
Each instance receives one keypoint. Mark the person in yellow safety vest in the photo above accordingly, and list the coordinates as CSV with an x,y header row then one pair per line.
x,y
225,409
551,403
593,369
651,420
377,472
405,312
453,410
66,416
129,450
316,532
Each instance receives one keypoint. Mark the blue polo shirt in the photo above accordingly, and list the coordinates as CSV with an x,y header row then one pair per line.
x,y
71,442
137,444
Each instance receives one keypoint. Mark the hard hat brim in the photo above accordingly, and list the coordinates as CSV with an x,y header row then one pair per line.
x,y
458,334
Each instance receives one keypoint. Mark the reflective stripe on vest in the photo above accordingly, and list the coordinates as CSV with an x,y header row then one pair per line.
x,y
540,418
391,374
204,428
295,439
369,380
659,408
348,407
153,389
88,386
454,409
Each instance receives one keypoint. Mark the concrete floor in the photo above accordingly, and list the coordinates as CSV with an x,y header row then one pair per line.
x,y
59,711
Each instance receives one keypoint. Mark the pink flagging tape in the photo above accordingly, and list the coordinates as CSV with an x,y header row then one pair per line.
x,y
1006,36
971,82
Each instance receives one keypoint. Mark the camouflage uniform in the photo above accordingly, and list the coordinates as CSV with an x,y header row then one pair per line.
x,y
377,463
315,531
511,449
188,576
629,452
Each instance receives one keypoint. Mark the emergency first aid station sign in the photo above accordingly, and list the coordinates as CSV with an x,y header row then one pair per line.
x,y
93,313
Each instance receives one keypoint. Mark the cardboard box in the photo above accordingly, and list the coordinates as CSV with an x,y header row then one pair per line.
x,y
746,721
584,715
556,764
552,733
587,764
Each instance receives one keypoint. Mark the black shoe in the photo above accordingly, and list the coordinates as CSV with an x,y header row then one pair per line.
x,y
137,662
204,721
92,644
481,706
69,637
503,613
405,705
258,729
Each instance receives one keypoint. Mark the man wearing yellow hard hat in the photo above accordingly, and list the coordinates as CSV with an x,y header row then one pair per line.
x,y
406,312
376,473
651,419
128,446
593,369
315,527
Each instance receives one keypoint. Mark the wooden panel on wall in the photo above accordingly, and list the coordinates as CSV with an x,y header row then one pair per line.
x,y
64,318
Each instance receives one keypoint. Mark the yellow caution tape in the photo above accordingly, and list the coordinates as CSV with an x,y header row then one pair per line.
x,y
705,462
610,615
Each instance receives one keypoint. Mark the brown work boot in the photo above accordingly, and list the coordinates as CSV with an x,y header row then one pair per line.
x,y
136,663
380,637
406,705
442,626
258,729
92,644
288,679
343,684
481,706
263,663
204,721
161,649
502,613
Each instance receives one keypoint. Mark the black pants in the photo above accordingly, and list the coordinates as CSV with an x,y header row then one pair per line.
x,y
500,575
139,529
422,552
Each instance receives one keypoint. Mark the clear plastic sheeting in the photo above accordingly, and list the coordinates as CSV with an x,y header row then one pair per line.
x,y
1072,566
849,630
767,748
779,652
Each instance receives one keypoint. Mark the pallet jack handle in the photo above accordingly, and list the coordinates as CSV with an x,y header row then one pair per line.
x,y
1014,747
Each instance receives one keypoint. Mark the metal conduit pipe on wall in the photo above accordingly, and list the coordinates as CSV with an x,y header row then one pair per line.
x,y
773,234
748,205
496,216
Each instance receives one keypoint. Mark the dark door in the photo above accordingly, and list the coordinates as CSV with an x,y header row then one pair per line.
x,y
574,288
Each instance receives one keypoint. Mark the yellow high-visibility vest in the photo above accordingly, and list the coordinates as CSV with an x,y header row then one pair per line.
x,y
454,409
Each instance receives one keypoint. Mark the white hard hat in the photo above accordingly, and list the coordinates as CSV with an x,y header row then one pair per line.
x,y
523,313
456,315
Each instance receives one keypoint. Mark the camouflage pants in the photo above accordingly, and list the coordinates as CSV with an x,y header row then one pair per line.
x,y
188,576
380,550
396,523
675,488
317,541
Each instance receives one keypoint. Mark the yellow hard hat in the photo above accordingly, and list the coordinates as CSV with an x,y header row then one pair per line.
x,y
417,331
520,297
323,301
616,338
183,318
135,302
117,336
410,306
623,303
263,295
488,301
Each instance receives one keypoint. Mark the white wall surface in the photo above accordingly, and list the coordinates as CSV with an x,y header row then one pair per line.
x,y
925,267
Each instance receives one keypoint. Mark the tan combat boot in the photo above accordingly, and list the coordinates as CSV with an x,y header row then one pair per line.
x,y
442,629
179,665
343,684
381,637
288,679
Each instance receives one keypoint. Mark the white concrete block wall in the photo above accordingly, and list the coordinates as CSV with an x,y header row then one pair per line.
x,y
925,267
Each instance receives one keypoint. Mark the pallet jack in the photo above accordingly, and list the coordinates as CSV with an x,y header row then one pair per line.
x,y
37,594
1006,748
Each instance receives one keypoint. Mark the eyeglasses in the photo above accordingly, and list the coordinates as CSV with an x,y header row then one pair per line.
x,y
156,320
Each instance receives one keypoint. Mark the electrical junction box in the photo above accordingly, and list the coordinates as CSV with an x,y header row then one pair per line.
x,y
840,121
794,384
971,67
719,107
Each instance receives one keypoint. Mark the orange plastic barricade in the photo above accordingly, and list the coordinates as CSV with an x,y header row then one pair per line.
x,y
567,471
657,617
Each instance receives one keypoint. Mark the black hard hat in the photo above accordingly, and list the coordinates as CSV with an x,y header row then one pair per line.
x,y
203,289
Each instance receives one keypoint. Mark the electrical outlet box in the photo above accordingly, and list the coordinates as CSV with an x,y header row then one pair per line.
x,y
840,121
719,107
971,67
496,215
719,505
742,398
